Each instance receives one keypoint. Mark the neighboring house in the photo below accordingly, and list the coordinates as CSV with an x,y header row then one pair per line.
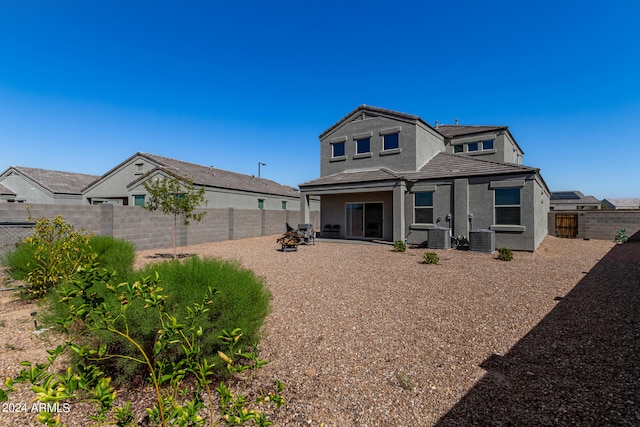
x,y
123,185
622,204
573,200
391,176
30,185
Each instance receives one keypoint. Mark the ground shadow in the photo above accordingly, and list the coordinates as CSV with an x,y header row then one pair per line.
x,y
167,256
579,366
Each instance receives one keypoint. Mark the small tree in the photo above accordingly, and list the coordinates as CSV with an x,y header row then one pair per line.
x,y
177,197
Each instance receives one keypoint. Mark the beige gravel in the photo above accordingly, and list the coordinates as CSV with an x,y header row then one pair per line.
x,y
364,336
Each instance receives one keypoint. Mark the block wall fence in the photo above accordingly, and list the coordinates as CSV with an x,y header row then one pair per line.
x,y
148,230
601,224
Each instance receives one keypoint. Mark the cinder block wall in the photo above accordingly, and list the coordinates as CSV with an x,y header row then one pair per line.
x,y
149,230
602,224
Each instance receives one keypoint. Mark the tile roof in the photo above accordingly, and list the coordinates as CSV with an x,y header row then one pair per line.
x,y
625,203
444,165
213,177
452,131
571,197
370,111
57,182
355,176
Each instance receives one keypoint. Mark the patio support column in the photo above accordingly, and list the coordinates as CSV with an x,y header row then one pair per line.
x,y
399,191
461,207
304,208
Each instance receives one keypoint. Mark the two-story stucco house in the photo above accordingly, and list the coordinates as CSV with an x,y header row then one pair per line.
x,y
391,176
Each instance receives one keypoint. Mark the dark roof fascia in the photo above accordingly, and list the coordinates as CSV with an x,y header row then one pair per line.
x,y
392,177
350,187
487,129
115,169
168,169
410,118
20,171
148,174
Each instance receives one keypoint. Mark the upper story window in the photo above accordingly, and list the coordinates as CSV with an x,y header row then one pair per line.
x,y
284,205
423,212
391,141
507,206
363,145
260,203
474,147
138,200
337,149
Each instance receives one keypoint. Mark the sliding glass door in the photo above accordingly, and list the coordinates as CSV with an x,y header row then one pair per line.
x,y
364,220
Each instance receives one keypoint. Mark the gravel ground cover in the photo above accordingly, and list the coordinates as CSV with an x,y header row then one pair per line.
x,y
365,336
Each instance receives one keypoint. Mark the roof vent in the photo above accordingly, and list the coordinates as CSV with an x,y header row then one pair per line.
x,y
456,121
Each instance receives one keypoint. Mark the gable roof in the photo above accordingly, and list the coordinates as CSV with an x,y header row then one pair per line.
x,y
572,197
624,203
212,177
367,111
452,131
56,182
444,165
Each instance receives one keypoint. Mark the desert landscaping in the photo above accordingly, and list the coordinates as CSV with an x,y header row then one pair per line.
x,y
365,336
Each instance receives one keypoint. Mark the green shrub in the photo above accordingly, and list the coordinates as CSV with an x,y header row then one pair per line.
x,y
114,254
505,254
431,258
183,386
41,258
57,251
399,246
242,302
20,261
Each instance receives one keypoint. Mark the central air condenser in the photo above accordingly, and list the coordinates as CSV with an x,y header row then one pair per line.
x,y
439,238
482,240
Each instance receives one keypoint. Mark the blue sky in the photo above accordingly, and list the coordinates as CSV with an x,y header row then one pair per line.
x,y
84,85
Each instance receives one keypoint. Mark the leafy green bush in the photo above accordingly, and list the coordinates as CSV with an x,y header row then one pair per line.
x,y
505,254
399,246
43,256
242,302
58,250
183,387
431,258
114,254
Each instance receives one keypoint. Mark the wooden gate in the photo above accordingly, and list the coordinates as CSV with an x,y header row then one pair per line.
x,y
567,225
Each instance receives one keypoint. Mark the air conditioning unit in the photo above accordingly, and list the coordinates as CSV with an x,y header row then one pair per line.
x,y
482,240
439,238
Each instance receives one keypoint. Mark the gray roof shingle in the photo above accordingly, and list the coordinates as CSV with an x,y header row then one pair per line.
x,y
442,165
213,177
355,176
58,182
452,131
